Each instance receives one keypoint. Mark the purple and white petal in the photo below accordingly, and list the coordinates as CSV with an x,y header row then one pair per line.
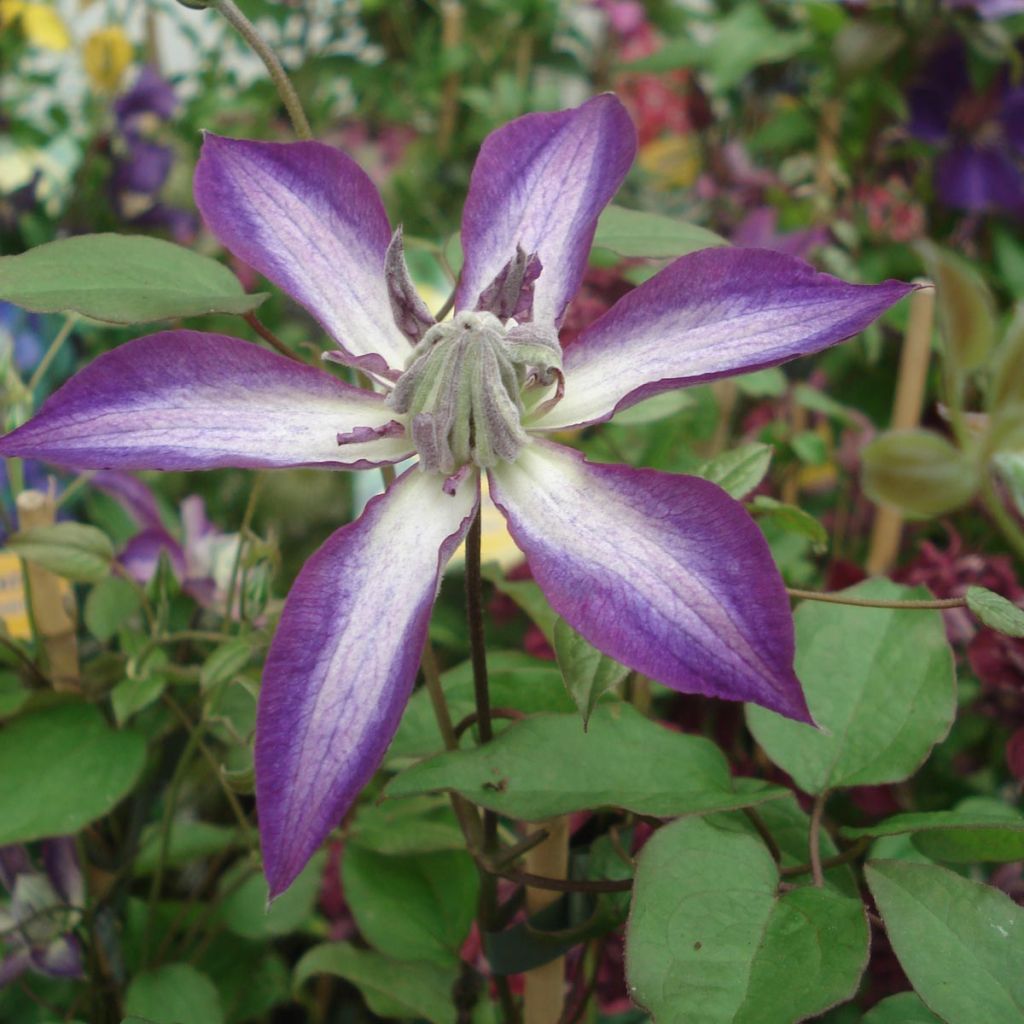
x,y
344,659
710,314
540,183
667,574
186,400
13,965
308,218
14,861
60,858
62,958
141,555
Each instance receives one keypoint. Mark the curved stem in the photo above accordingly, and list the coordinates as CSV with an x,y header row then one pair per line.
x,y
475,618
865,602
289,97
51,353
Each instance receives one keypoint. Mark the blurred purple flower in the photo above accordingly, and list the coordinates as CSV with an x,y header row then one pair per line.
x,y
201,560
142,165
981,133
36,922
759,229
667,574
987,9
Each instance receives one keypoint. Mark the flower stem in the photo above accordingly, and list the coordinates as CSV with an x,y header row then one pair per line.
x,y
51,353
475,618
289,97
487,913
867,602
814,838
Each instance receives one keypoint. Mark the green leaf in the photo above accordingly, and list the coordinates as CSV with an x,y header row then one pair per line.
x,y
189,841
878,681
62,768
995,611
919,472
588,674
789,518
108,605
960,942
121,279
417,824
412,908
966,309
739,471
709,929
391,989
244,909
75,551
174,994
962,836
227,660
635,233
768,383
809,448
744,39
905,1008
130,696
516,681
546,765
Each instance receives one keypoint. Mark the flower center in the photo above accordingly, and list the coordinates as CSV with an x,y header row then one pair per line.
x,y
463,389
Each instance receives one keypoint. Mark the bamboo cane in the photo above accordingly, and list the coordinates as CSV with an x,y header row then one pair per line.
x,y
544,995
50,600
887,528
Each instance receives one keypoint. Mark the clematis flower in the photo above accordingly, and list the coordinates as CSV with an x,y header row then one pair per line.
x,y
36,924
981,134
667,574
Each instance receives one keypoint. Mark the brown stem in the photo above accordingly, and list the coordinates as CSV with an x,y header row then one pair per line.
x,y
866,602
269,336
289,97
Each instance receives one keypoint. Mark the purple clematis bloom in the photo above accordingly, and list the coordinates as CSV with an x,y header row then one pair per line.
x,y
44,906
667,574
981,134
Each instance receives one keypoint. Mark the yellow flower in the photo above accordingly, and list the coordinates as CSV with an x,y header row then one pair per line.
x,y
673,161
39,23
107,53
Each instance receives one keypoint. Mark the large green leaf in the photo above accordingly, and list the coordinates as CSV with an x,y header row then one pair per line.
x,y
412,908
905,1008
960,942
634,233
121,279
995,611
416,824
392,989
516,681
711,940
879,682
961,836
547,765
62,768
174,994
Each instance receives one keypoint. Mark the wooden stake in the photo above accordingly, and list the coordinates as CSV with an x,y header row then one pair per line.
x,y
50,600
544,996
887,528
